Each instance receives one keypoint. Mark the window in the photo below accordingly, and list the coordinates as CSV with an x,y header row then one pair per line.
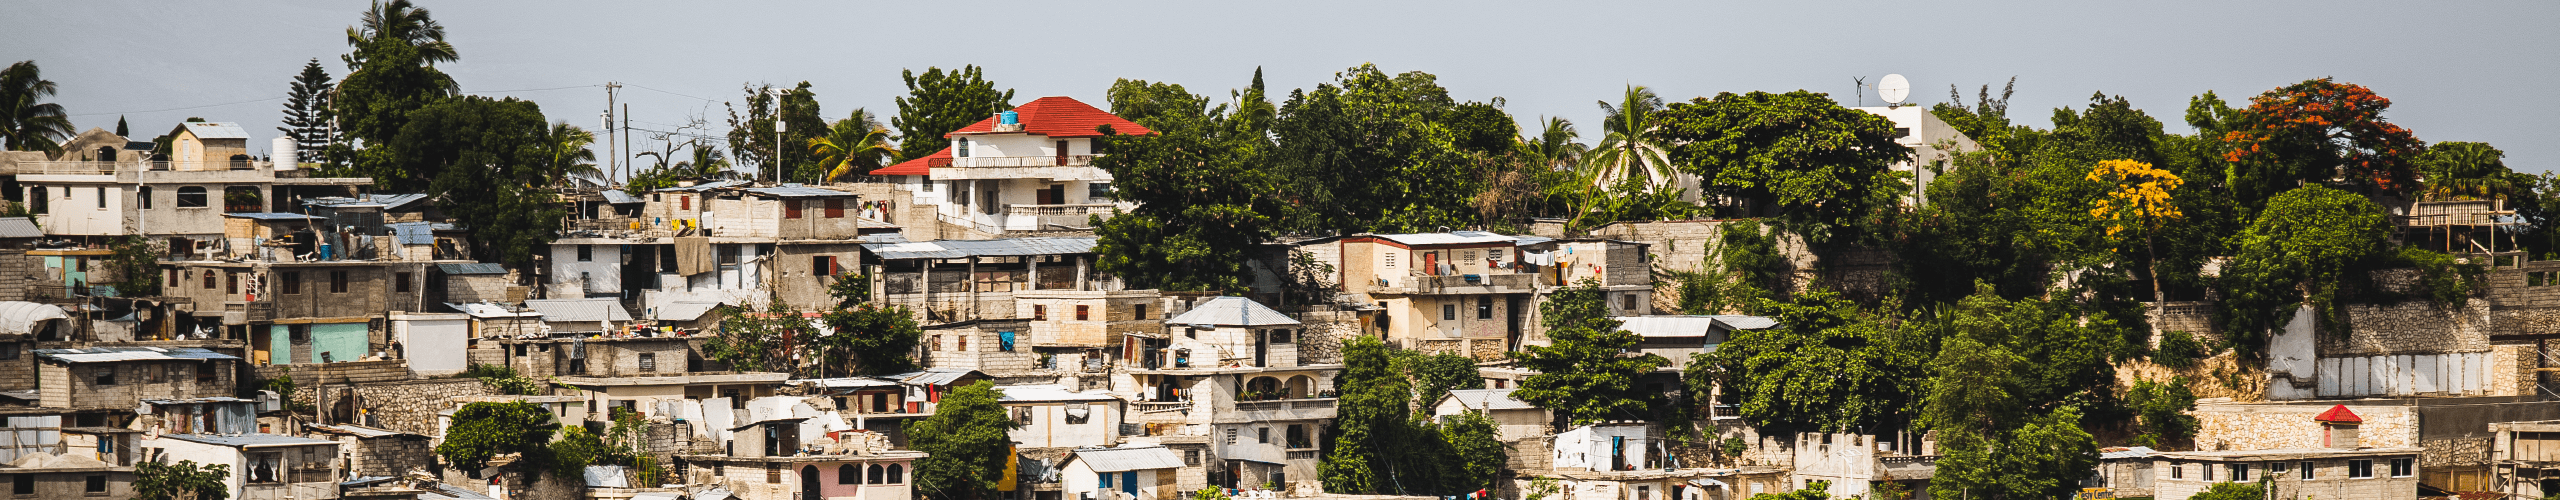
x,y
684,202
897,473
400,282
1098,190
648,362
1191,458
1231,435
2359,469
24,484
337,282
2239,472
1391,259
102,197
191,197
177,278
2207,469
791,209
2308,472
1449,312
2177,471
937,342
1298,437
1039,312
835,208
586,253
1493,254
962,342
106,374
1084,313
2275,469
231,283
1484,307
292,283
2403,467
822,265
848,474
1021,415
208,279
1629,301
205,376
876,474
1139,312
97,484
1262,435
962,148
1279,336
151,374
8,352
773,473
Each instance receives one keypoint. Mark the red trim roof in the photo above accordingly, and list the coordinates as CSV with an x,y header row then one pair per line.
x,y
2338,415
1060,116
919,166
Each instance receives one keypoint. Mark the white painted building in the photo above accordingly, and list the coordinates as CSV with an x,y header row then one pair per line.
x,y
1027,169
1133,472
1932,142
1605,447
436,344
264,466
1054,417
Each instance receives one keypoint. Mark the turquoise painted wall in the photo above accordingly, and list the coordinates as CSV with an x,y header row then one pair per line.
x,y
341,341
279,345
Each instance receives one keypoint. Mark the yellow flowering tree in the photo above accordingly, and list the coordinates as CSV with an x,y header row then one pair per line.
x,y
2137,196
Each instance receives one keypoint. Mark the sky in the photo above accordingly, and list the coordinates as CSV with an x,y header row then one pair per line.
x,y
2455,71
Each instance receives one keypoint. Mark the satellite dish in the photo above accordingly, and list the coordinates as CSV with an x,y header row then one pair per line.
x,y
1893,88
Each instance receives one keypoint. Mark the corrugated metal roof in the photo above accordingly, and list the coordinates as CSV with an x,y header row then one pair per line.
x,y
19,227
217,130
617,197
683,310
606,476
380,200
487,310
473,268
1489,399
1125,459
1449,238
884,238
953,249
354,430
443,491
22,317
413,233
705,186
933,376
797,192
1029,393
1231,311
579,309
844,383
1691,326
270,216
246,440
1526,240
114,354
2124,453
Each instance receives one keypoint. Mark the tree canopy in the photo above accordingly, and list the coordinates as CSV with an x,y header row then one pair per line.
x,y
967,444
1818,165
1582,375
939,102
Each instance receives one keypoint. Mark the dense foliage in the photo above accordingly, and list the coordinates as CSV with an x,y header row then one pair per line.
x,y
966,443
1381,446
306,115
1208,198
939,102
1584,374
27,123
482,431
185,480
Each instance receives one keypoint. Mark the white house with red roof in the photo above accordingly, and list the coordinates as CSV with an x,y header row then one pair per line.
x,y
1028,169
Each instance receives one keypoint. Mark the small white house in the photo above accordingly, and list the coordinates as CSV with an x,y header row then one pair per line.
x,y
264,466
1232,332
1133,472
1512,418
1605,447
1054,417
434,343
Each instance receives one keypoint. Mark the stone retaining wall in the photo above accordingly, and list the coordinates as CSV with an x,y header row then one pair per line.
x,y
408,406
344,372
2278,426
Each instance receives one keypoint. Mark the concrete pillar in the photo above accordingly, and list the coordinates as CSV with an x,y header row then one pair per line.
x,y
1033,263
971,281
924,285
1080,272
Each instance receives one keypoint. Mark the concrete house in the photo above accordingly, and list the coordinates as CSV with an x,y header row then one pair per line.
x,y
1460,292
858,466
1075,328
954,280
1225,332
1230,373
264,466
1932,141
106,192
2333,458
1514,419
1055,417
1029,169
369,451
1123,473
122,377
44,475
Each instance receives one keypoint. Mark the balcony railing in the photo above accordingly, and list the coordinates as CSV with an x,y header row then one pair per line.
x,y
1013,161
1077,210
1497,283
109,168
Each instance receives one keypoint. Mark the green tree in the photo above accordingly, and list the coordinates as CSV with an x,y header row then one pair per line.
x,y
1584,375
1631,152
1477,452
939,102
2161,409
1372,416
121,129
702,161
390,73
2044,457
1370,152
136,262
1434,375
966,443
27,123
753,340
490,165
306,114
482,431
2466,170
2232,491
1205,199
876,340
1819,165
1812,490
566,158
752,136
2299,252
2003,397
185,480
2314,131
853,146
576,449
1828,366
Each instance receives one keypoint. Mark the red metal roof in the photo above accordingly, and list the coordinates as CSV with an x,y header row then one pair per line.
x,y
1060,116
2339,415
919,166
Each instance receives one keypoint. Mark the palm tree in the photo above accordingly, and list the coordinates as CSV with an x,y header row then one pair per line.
x,y
1629,151
26,125
403,21
2465,170
567,155
853,146
1555,147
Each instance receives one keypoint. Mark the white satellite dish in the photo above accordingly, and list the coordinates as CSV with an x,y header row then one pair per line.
x,y
1893,88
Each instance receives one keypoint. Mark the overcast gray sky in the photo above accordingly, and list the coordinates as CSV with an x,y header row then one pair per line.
x,y
2455,71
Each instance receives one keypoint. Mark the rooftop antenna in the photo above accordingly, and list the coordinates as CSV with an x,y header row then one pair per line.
x,y
1893,88
1862,89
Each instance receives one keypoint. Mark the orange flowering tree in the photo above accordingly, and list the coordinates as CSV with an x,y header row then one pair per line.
x,y
2316,131
2138,195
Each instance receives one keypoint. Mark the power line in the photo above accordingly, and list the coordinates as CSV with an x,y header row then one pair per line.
x,y
653,89
281,98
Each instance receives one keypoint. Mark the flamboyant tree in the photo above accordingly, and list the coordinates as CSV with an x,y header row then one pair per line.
x,y
2314,132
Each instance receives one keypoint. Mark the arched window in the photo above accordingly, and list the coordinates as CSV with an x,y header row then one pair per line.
x,y
208,279
191,197
848,474
897,474
106,154
876,471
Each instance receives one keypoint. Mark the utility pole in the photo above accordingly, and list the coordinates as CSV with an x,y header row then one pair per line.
x,y
778,127
627,169
613,161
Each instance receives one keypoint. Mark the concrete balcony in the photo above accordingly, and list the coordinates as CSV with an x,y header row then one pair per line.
x,y
1280,409
153,171
1462,284
1063,168
1055,217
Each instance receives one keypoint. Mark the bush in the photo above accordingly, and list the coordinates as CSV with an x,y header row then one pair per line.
x,y
2180,350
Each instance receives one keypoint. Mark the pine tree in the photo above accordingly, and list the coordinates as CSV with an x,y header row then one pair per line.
x,y
121,129
306,114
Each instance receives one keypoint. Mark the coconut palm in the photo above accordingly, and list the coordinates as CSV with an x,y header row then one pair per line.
x,y
2465,170
567,157
853,146
1629,151
1554,146
25,124
403,21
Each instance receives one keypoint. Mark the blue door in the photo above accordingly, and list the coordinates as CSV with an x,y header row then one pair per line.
x,y
1129,482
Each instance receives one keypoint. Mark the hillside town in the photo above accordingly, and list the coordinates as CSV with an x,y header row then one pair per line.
x,y
1367,291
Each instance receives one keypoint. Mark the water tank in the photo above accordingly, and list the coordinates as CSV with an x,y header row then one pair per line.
x,y
284,148
1008,118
